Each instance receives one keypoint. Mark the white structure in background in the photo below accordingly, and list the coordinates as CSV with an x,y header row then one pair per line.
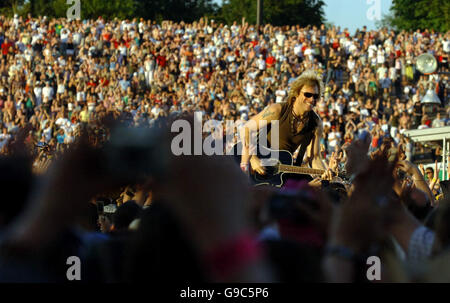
x,y
432,135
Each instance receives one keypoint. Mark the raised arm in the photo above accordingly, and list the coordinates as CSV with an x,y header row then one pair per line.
x,y
435,177
417,177
270,113
317,161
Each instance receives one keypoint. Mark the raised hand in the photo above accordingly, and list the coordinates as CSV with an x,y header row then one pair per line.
x,y
257,166
357,159
360,221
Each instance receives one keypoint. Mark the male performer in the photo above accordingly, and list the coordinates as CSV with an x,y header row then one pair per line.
x,y
299,126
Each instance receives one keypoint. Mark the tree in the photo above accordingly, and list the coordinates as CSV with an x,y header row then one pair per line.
x,y
9,7
276,12
176,10
411,15
121,9
386,22
90,9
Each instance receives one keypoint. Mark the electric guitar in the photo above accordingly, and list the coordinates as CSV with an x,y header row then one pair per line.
x,y
278,163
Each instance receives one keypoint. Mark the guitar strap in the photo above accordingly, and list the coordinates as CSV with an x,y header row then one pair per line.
x,y
311,155
301,154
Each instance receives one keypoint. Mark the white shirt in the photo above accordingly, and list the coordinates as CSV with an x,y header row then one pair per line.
x,y
280,93
77,38
353,105
446,46
123,50
65,35
28,53
339,107
47,133
61,89
309,53
333,138
372,49
38,93
380,57
392,73
280,38
351,64
47,92
81,96
35,38
352,49
250,89
156,111
61,121
261,64
298,49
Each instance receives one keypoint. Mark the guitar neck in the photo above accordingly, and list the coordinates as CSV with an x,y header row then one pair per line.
x,y
299,170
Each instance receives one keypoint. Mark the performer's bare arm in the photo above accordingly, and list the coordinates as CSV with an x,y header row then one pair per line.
x,y
257,122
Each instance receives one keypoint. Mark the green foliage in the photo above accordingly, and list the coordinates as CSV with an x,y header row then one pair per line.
x,y
411,15
277,12
110,9
11,7
386,22
176,10
235,10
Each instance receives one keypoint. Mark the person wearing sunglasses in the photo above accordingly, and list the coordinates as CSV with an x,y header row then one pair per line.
x,y
299,125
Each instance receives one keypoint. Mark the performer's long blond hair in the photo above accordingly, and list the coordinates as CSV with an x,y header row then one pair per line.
x,y
308,77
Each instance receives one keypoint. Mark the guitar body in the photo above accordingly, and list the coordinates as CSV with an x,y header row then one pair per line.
x,y
273,176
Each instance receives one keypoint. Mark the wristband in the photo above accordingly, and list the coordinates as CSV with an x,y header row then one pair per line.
x,y
231,256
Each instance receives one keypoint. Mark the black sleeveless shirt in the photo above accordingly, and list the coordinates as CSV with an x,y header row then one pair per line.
x,y
291,141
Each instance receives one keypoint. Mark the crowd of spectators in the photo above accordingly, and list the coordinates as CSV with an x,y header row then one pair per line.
x,y
198,219
57,74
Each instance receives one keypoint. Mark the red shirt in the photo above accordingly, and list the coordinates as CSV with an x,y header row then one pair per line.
x,y
161,61
107,37
5,47
116,43
104,82
127,43
375,142
270,61
92,83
